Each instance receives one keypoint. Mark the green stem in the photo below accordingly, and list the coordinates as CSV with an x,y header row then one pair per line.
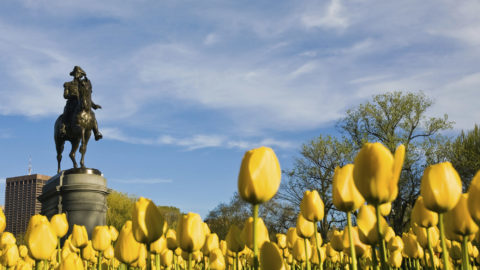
x,y
318,246
190,261
374,257
99,260
255,237
236,261
430,249
307,261
350,236
37,265
157,261
149,258
59,253
465,257
417,264
381,243
446,265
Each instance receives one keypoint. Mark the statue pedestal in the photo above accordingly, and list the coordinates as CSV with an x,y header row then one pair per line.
x,y
81,194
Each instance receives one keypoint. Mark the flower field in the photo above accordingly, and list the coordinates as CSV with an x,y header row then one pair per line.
x,y
443,233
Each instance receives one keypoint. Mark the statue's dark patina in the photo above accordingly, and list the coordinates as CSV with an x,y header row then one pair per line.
x,y
78,119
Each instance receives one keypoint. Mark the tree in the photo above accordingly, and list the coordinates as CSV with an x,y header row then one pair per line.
x,y
465,154
314,170
274,213
120,207
171,215
396,118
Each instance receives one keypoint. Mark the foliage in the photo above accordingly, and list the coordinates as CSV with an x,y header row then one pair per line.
x,y
464,153
120,207
171,215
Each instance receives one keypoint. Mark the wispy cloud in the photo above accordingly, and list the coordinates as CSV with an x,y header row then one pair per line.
x,y
197,141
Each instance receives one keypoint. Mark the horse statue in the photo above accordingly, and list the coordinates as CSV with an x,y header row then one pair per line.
x,y
78,120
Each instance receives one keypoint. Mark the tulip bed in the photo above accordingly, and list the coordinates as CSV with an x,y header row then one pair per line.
x,y
443,235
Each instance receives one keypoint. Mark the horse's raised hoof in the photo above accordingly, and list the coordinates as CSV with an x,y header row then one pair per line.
x,y
98,136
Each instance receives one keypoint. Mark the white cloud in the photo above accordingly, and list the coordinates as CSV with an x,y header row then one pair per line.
x,y
332,17
211,39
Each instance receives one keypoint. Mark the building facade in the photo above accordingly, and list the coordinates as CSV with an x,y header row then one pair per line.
x,y
21,201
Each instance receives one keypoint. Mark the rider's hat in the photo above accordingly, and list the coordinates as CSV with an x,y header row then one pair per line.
x,y
79,70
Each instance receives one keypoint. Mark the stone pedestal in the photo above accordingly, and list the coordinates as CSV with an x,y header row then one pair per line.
x,y
81,194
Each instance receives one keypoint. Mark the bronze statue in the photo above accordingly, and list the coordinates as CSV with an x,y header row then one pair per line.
x,y
78,119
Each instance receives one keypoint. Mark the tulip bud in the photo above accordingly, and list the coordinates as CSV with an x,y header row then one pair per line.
x,y
234,240
247,233
281,240
101,238
336,240
421,234
40,237
291,237
59,224
259,177
385,209
473,201
6,239
171,237
71,262
367,225
23,251
459,220
305,228
345,195
441,187
79,236
217,261
395,259
10,255
166,258
3,221
211,242
147,221
113,233
360,248
109,253
422,216
376,172
299,250
88,253
311,206
127,249
271,257
190,232
319,238
159,246
395,244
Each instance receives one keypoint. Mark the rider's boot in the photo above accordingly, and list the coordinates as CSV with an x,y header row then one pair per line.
x,y
98,135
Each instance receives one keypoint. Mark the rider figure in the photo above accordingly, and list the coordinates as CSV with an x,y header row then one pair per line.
x,y
71,95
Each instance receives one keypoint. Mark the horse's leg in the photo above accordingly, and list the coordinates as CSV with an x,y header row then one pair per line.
x,y
83,147
60,146
75,144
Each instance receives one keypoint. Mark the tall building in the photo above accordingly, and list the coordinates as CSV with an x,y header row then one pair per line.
x,y
21,201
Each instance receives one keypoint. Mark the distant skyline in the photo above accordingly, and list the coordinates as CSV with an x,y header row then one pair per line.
x,y
188,86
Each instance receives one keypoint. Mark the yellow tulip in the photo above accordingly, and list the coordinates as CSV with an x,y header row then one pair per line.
x,y
367,225
147,221
360,247
88,253
217,261
190,232
79,236
312,206
247,233
421,234
166,258
281,240
3,221
395,244
7,238
459,220
40,237
159,246
211,242
171,237
319,237
234,240
59,224
299,250
395,259
315,258
127,249
113,233
291,237
411,247
385,209
71,262
271,257
441,187
345,195
10,255
474,198
224,247
305,228
141,262
109,253
336,240
422,216
101,238
376,172
23,251
260,175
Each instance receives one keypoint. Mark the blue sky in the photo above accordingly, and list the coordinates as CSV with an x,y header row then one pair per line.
x,y
188,86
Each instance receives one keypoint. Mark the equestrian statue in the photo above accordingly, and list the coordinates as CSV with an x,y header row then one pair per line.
x,y
78,119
